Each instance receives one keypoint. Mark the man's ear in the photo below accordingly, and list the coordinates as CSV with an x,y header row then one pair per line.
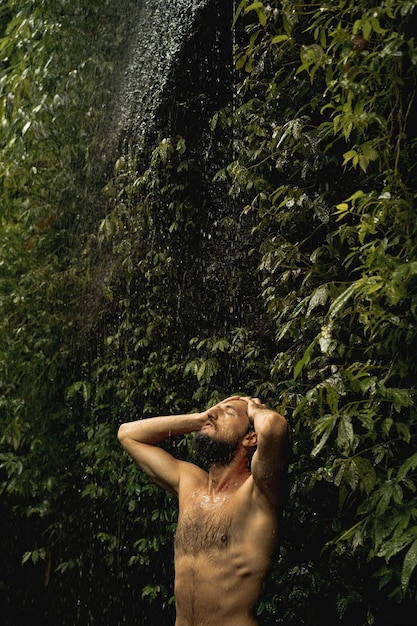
x,y
250,440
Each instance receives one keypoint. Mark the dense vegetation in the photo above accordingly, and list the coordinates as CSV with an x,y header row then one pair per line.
x,y
274,254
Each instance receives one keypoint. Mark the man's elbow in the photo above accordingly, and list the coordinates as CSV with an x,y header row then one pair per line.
x,y
122,433
283,433
283,426
276,424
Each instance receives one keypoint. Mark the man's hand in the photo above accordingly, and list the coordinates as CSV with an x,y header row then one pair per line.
x,y
254,407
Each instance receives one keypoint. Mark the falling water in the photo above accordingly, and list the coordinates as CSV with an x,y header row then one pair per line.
x,y
175,72
159,34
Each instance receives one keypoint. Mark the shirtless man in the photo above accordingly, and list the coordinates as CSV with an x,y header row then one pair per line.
x,y
228,516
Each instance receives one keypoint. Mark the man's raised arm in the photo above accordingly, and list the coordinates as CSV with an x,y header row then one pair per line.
x,y
140,439
270,461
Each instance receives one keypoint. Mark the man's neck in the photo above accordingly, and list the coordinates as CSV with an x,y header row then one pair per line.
x,y
228,477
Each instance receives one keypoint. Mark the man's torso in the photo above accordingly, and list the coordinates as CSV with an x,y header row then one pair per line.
x,y
223,546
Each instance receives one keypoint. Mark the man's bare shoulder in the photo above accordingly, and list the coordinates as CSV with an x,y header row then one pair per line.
x,y
192,477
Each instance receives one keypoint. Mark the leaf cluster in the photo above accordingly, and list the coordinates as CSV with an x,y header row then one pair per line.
x,y
325,146
291,275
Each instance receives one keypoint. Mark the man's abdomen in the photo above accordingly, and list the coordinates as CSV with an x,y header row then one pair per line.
x,y
214,588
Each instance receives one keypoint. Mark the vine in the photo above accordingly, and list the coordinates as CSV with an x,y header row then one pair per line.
x,y
328,95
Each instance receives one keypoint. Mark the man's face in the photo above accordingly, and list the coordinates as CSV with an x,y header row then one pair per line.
x,y
225,428
227,421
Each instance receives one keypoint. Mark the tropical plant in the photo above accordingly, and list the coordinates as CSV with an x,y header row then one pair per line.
x,y
326,148
290,276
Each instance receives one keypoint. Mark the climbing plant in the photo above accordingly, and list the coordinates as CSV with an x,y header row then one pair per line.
x,y
51,61
325,138
273,254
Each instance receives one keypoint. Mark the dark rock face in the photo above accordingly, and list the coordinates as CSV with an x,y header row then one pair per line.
x,y
176,68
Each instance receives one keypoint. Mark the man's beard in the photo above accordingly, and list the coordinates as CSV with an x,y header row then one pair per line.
x,y
209,451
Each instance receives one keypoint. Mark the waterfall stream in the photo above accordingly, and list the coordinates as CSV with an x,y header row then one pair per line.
x,y
173,49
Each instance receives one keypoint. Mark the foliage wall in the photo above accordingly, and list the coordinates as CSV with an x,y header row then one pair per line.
x,y
264,242
327,154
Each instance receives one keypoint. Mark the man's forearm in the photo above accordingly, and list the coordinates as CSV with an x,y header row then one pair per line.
x,y
152,430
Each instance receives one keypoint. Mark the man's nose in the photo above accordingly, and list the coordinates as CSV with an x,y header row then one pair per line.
x,y
213,414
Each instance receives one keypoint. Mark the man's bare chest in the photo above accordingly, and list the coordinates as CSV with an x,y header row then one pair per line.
x,y
207,524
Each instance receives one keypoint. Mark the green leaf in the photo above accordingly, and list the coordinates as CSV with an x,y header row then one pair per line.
x,y
345,433
409,565
279,38
367,474
409,464
253,6
324,427
305,360
339,303
238,11
348,156
318,298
